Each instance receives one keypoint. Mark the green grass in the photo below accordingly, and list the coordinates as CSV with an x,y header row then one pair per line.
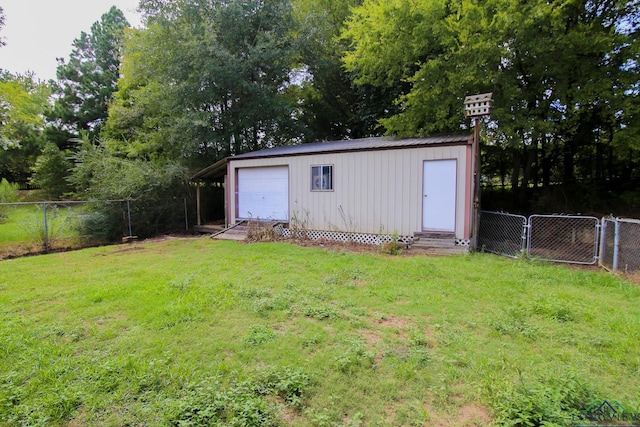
x,y
201,332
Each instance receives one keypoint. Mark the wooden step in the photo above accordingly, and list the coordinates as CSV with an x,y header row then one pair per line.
x,y
434,235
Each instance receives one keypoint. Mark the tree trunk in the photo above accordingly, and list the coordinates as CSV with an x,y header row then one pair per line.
x,y
569,160
546,161
515,172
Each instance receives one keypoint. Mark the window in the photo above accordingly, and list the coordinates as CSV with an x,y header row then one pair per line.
x,y
322,178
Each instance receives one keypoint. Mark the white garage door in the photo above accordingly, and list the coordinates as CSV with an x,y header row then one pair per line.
x,y
263,193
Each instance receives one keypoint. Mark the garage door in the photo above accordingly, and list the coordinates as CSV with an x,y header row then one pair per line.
x,y
263,193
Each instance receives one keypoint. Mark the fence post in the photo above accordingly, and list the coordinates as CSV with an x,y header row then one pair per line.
x,y
46,228
616,244
129,217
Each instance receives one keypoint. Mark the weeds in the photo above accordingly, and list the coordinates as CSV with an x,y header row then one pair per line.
x,y
515,321
259,334
392,247
8,194
240,404
355,356
261,231
542,401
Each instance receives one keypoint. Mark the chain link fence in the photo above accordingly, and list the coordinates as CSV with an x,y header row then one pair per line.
x,y
37,227
502,233
559,238
620,245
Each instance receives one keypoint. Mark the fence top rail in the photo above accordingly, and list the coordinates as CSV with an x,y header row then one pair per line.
x,y
564,216
62,202
629,220
504,213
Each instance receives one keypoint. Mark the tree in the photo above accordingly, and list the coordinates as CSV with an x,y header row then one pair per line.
x,y
156,189
562,72
2,42
206,80
331,105
86,83
51,170
23,102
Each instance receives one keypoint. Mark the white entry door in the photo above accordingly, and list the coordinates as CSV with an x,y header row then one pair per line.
x,y
439,195
263,193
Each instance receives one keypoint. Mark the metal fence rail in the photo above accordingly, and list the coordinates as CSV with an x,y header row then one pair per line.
x,y
620,248
564,238
502,233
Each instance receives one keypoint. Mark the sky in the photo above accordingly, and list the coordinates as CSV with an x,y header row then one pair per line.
x,y
36,32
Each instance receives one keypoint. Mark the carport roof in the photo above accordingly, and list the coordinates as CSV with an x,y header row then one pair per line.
x,y
218,169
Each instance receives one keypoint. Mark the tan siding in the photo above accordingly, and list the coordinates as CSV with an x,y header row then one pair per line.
x,y
376,189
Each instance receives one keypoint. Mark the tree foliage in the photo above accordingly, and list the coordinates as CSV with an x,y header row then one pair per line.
x,y
331,105
2,42
50,172
206,80
563,74
85,83
23,102
154,188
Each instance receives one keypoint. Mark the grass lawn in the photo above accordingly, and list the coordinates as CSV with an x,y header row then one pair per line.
x,y
190,332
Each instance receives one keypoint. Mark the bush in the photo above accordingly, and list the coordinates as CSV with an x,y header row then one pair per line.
x,y
8,194
156,191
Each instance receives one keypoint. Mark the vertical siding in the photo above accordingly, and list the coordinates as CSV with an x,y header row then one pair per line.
x,y
373,191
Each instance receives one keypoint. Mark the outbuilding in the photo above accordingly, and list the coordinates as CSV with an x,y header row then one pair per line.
x,y
364,190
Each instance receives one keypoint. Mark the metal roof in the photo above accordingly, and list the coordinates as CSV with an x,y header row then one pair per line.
x,y
363,144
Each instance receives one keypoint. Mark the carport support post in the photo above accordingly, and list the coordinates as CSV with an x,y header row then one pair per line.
x,y
198,220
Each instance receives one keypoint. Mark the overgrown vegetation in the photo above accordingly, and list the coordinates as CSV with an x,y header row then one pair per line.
x,y
155,187
8,194
198,332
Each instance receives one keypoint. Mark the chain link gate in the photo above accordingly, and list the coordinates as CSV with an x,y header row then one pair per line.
x,y
564,238
502,233
620,246
559,238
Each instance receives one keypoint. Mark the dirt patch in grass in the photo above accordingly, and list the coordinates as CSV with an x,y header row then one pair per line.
x,y
371,337
633,277
123,249
467,415
394,322
335,246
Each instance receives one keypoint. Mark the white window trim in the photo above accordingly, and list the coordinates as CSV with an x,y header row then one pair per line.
x,y
321,173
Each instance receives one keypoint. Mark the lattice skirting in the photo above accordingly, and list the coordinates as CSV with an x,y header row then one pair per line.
x,y
342,236
463,242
